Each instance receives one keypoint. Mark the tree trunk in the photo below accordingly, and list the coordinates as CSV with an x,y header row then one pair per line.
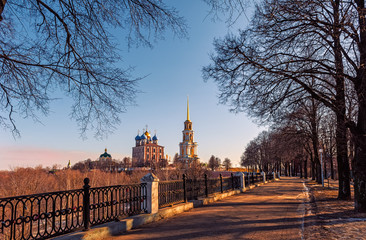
x,y
306,168
312,170
331,166
325,166
359,133
359,162
318,172
2,6
285,170
280,167
300,168
344,190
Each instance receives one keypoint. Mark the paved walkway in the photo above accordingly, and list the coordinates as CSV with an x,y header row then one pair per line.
x,y
271,211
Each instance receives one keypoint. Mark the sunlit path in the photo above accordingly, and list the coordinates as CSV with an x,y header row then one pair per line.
x,y
271,211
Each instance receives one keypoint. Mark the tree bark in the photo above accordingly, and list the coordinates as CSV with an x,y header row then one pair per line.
x,y
306,168
318,172
2,6
359,132
280,167
300,168
344,190
359,161
325,166
315,141
331,166
312,170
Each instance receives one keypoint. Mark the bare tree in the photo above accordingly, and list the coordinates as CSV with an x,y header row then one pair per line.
x,y
176,159
67,45
227,164
127,162
292,46
214,162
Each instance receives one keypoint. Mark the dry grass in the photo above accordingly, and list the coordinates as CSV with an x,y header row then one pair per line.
x,y
25,181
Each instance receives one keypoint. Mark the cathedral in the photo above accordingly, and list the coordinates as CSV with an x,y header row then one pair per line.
x,y
188,148
147,152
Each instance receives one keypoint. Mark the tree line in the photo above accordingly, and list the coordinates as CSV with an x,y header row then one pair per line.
x,y
297,58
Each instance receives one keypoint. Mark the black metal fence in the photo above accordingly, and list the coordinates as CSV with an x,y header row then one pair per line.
x,y
253,178
269,176
46,215
172,192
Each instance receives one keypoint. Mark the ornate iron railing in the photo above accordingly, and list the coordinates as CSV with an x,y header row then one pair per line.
x,y
214,185
109,203
46,215
170,193
41,216
195,188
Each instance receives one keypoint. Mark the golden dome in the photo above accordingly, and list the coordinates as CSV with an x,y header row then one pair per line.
x,y
147,134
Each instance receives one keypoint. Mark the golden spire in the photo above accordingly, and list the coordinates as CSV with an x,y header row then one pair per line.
x,y
187,108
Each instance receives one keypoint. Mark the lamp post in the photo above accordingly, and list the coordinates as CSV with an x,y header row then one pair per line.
x,y
321,165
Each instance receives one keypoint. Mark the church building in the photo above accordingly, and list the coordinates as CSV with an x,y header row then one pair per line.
x,y
147,152
105,156
188,148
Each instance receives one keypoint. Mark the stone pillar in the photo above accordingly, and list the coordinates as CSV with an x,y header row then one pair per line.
x,y
152,185
242,180
264,177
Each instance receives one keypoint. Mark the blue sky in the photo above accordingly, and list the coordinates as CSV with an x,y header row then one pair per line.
x,y
173,69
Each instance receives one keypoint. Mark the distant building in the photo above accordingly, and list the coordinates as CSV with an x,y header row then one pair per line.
x,y
105,156
147,152
188,148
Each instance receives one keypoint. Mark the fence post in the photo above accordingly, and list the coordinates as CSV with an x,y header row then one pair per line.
x,y
232,181
111,203
221,183
152,195
206,185
184,188
86,203
242,180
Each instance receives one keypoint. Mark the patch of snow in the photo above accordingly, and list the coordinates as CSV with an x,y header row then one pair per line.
x,y
355,219
303,208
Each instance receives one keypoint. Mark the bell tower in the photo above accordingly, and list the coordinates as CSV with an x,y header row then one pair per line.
x,y
188,148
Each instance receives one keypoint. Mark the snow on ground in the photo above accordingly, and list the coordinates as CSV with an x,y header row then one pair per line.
x,y
331,218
